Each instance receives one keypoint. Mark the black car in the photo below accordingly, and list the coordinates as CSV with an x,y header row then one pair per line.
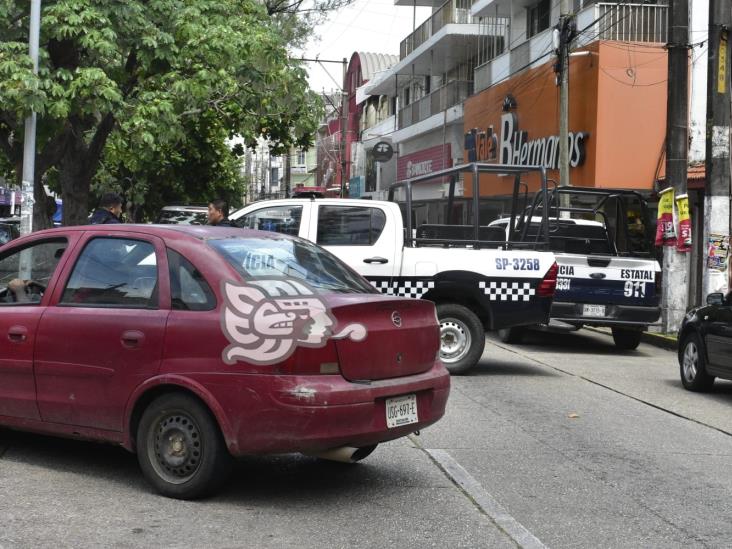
x,y
705,343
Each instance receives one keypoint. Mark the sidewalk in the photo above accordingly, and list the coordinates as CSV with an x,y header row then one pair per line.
x,y
665,341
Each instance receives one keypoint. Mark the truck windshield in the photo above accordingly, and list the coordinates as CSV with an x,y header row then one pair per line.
x,y
284,257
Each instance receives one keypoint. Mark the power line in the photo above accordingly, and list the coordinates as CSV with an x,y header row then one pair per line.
x,y
633,85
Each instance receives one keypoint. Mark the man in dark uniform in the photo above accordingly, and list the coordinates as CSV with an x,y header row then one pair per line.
x,y
218,213
109,210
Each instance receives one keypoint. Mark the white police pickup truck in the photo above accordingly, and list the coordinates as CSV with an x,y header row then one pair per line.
x,y
600,281
476,283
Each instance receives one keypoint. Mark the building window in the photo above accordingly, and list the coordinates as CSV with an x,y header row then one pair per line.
x,y
300,157
537,18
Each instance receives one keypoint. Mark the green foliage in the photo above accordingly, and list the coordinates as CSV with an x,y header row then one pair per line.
x,y
194,170
150,91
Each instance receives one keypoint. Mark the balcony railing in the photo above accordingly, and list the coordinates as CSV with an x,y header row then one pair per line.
x,y
449,95
632,22
612,21
452,11
494,38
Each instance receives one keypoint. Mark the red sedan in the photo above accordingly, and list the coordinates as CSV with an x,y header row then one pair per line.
x,y
190,345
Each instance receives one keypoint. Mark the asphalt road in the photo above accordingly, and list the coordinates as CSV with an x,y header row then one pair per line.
x,y
562,441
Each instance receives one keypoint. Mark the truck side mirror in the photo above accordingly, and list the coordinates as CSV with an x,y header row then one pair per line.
x,y
716,298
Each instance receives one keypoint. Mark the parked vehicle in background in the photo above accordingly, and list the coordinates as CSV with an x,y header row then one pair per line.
x,y
190,345
705,343
9,229
477,281
308,192
606,276
183,215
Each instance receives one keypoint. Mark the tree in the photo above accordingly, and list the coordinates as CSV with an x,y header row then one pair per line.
x,y
297,19
141,87
178,174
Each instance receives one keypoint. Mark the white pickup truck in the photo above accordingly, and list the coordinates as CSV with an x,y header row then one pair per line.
x,y
475,288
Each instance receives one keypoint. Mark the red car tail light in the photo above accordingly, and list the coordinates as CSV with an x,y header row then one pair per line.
x,y
549,282
308,361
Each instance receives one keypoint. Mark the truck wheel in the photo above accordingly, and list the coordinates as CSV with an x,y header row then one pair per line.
x,y
625,339
511,335
180,447
462,337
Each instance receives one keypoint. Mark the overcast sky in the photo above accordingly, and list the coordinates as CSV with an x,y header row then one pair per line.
x,y
376,26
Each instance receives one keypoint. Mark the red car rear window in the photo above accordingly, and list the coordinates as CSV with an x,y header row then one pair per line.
x,y
285,257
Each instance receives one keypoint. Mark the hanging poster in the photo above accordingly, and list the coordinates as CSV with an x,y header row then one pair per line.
x,y
665,230
683,243
717,252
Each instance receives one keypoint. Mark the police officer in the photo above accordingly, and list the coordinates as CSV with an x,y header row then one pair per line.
x,y
218,213
109,210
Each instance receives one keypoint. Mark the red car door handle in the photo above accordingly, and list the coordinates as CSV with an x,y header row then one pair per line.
x,y
132,339
17,334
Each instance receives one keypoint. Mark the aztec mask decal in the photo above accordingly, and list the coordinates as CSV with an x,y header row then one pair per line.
x,y
266,320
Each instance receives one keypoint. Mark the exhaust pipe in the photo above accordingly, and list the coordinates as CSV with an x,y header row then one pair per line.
x,y
345,454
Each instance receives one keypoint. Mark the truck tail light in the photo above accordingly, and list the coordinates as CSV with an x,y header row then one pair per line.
x,y
549,282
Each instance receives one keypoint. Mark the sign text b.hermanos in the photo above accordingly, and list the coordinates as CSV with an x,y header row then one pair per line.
x,y
515,148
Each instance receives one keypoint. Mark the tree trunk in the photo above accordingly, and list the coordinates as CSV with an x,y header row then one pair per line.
x,y
75,194
75,178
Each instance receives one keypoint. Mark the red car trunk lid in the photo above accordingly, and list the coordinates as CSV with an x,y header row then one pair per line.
x,y
402,337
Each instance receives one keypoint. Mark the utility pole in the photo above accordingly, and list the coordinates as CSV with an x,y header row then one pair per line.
x,y
676,264
286,161
344,114
565,36
29,139
717,191
344,126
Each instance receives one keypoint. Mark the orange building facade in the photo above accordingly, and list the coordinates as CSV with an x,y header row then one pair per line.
x,y
617,120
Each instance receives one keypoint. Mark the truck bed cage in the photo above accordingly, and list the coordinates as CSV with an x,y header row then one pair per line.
x,y
476,235
603,195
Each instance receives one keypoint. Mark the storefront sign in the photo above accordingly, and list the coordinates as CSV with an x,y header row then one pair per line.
x,y
424,162
9,197
513,146
665,230
383,151
683,243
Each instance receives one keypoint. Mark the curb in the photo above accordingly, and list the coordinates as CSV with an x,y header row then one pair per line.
x,y
664,341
